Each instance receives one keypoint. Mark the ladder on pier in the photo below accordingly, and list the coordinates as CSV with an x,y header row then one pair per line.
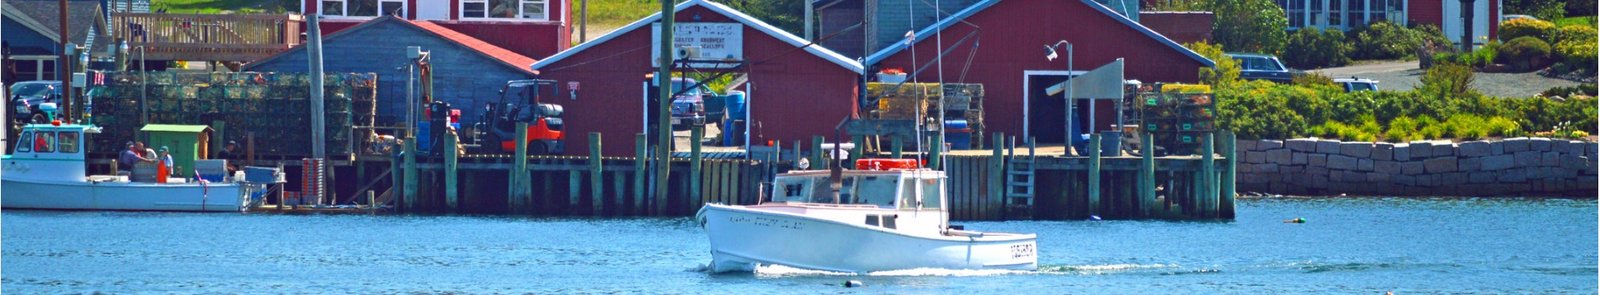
x,y
1020,180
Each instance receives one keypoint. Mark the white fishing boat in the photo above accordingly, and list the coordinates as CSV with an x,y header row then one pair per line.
x,y
47,171
891,216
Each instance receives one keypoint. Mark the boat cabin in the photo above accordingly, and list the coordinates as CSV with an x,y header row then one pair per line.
x,y
909,189
50,152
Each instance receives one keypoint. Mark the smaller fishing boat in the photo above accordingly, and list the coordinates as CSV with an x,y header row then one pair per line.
x,y
890,215
47,171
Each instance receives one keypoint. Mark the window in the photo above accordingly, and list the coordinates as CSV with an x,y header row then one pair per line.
x,y
506,9
908,195
1316,19
1378,10
68,142
1355,15
363,7
1297,11
930,193
1335,16
875,190
44,142
24,145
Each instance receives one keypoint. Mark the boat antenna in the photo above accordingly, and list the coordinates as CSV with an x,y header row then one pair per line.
x,y
938,37
911,42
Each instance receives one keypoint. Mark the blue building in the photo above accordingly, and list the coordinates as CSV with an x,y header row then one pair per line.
x,y
467,73
31,35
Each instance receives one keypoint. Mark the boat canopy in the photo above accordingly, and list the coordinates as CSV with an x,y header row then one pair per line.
x,y
46,141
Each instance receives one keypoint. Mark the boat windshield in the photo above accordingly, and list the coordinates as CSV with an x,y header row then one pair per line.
x,y
877,190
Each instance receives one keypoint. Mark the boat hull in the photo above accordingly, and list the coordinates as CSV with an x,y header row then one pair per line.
x,y
34,194
743,237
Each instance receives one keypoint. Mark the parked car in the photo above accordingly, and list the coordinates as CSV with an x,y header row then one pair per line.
x,y
1262,67
28,96
1353,84
688,107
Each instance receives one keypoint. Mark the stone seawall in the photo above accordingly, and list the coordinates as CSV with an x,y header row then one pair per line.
x,y
1510,167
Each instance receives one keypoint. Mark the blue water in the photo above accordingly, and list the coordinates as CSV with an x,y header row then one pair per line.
x,y
1351,245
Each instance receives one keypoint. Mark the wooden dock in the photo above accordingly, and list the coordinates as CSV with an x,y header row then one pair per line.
x,y
1001,185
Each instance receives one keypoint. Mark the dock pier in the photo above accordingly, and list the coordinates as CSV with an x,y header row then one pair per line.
x,y
988,184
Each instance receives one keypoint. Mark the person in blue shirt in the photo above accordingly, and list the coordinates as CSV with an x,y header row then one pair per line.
x,y
133,155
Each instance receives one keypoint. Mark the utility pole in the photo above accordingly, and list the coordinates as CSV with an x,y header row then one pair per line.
x,y
663,113
583,21
64,67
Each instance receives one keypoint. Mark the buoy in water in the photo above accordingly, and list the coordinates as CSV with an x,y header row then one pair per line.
x,y
1295,220
1094,217
853,284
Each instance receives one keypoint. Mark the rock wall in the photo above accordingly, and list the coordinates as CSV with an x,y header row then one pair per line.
x,y
1511,167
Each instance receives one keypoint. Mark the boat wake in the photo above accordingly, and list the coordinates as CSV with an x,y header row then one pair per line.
x,y
782,271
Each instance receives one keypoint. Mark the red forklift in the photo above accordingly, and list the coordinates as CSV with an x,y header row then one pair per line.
x,y
520,102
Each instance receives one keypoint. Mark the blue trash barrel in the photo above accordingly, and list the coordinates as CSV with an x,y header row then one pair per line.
x,y
958,134
736,103
1110,143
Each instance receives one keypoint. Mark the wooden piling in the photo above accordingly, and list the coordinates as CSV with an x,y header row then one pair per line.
x,y
1094,173
574,189
1208,176
935,148
817,159
859,151
451,189
1147,174
695,160
409,192
997,176
520,189
897,146
1229,174
640,161
596,178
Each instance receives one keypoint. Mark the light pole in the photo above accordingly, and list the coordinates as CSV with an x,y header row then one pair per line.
x,y
1050,54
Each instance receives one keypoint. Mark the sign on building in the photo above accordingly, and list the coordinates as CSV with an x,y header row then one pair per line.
x,y
701,42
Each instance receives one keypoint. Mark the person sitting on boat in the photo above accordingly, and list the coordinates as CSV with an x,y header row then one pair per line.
x,y
230,152
133,155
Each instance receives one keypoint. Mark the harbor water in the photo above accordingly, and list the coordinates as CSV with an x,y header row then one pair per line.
x,y
1347,246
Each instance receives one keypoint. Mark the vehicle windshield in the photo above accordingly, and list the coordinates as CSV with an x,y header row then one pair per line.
x,y
1362,86
1259,64
678,85
31,89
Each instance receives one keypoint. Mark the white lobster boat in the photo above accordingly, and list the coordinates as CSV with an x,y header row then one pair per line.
x,y
882,219
47,171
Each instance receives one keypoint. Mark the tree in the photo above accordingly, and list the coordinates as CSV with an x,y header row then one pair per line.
x,y
1224,74
788,15
1258,26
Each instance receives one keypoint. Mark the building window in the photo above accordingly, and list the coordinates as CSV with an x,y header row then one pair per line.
x,y
1297,13
505,9
1355,14
43,68
1379,11
363,8
1335,15
1316,14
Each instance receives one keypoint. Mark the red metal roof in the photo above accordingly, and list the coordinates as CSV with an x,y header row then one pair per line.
x,y
505,56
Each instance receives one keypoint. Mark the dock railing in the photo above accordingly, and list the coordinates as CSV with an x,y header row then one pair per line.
x,y
209,37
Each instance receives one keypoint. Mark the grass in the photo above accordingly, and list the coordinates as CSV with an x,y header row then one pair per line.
x,y
226,6
1575,20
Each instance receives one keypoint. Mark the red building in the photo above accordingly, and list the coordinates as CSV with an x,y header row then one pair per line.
x,y
533,28
796,91
1011,62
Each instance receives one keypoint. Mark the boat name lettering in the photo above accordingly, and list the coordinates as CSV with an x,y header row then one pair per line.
x,y
766,222
1021,251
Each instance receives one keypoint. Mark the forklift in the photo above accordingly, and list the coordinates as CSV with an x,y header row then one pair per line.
x,y
495,131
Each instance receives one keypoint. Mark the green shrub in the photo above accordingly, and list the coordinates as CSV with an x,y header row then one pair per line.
x,y
1382,40
1570,91
1578,54
1255,109
1524,27
1226,71
1573,33
1401,129
1313,79
1446,81
1249,25
1430,128
1503,127
1525,52
1342,131
1466,126
1313,48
